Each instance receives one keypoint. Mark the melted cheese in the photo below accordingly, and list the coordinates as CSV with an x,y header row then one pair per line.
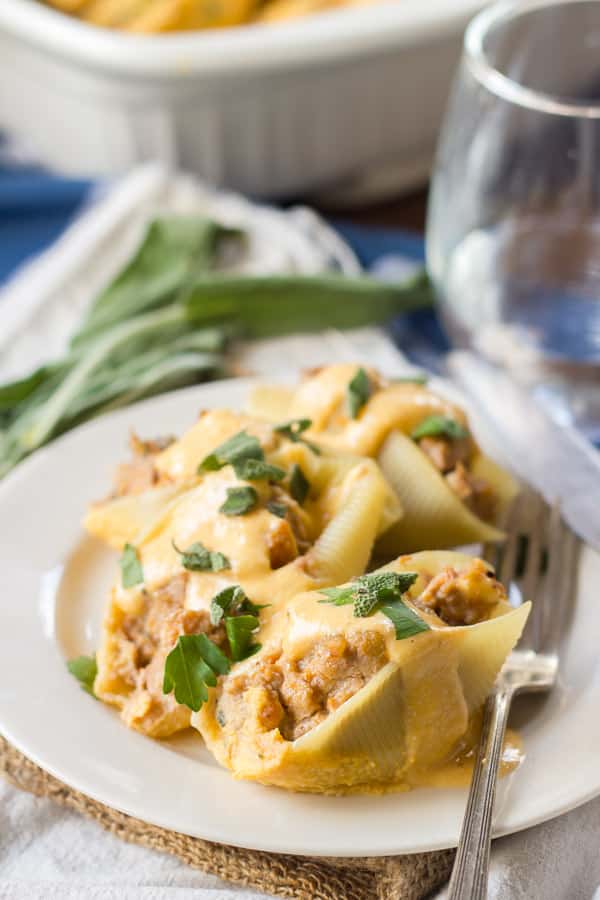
x,y
436,513
322,398
181,459
194,516
305,620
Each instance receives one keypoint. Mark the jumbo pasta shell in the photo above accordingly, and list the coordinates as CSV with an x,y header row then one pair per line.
x,y
410,717
343,549
434,513
119,521
434,516
271,402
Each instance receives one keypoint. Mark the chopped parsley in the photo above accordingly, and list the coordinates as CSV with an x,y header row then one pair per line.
x,y
244,453
358,393
240,500
84,669
192,667
277,509
293,431
240,631
236,450
380,591
131,567
195,662
197,558
258,470
232,601
439,426
299,484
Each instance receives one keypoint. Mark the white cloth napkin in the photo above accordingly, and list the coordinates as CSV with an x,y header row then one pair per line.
x,y
49,853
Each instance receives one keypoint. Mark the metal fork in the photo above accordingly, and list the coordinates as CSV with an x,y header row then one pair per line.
x,y
536,563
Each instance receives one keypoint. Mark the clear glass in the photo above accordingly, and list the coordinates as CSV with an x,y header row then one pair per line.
x,y
513,232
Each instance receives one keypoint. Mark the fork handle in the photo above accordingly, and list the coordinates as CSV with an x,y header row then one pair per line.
x,y
470,873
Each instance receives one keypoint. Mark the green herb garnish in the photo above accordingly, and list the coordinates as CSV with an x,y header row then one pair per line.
x,y
236,450
240,630
240,500
85,669
240,615
278,509
258,470
367,591
378,587
244,453
380,591
232,601
293,431
417,378
339,596
192,667
404,619
299,484
439,426
222,603
197,558
131,567
358,393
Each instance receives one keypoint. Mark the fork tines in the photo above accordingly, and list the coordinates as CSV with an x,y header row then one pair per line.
x,y
537,562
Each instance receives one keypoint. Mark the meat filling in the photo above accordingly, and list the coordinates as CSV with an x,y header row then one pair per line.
x,y
295,695
451,458
144,642
474,492
289,537
139,474
445,453
462,598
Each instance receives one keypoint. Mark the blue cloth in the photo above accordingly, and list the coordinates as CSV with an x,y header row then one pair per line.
x,y
36,206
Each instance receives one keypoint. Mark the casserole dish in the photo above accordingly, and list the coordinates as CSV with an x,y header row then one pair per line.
x,y
275,111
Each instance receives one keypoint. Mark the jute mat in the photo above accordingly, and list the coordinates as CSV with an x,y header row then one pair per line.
x,y
298,877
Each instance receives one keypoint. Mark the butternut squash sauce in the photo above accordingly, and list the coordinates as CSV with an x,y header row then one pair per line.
x,y
322,398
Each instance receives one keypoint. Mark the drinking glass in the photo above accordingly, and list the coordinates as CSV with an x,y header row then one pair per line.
x,y
513,233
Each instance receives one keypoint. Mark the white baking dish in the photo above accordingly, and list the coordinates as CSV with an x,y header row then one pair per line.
x,y
287,109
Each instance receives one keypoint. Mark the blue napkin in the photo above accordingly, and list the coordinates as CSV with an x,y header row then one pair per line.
x,y
35,208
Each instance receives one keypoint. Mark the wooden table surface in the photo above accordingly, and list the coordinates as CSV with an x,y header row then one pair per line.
x,y
402,212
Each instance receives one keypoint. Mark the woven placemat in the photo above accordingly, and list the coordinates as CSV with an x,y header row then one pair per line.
x,y
302,878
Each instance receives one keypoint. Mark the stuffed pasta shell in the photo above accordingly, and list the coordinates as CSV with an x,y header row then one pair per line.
x,y
237,509
450,492
374,685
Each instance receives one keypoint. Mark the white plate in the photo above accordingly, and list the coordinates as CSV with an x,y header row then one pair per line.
x,y
53,583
